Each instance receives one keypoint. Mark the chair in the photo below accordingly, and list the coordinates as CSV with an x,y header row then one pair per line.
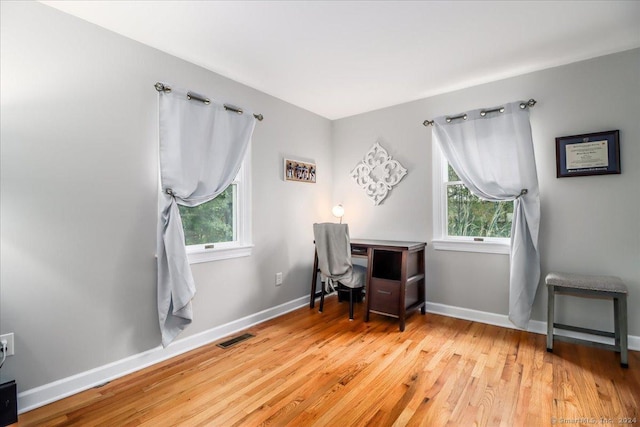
x,y
333,249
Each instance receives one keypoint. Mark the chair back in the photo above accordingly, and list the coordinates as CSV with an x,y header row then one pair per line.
x,y
334,250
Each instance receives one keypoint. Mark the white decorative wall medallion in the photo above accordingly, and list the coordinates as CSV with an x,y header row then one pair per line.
x,y
378,173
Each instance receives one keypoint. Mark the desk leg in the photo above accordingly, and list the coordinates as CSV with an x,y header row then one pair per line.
x,y
422,292
314,279
367,284
402,308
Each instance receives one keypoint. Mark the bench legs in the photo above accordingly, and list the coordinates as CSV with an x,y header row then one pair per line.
x,y
620,334
550,313
620,307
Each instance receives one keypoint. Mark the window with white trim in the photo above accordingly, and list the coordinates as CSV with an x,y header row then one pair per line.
x,y
221,228
462,221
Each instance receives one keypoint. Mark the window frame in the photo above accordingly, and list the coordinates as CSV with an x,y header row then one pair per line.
x,y
242,246
441,239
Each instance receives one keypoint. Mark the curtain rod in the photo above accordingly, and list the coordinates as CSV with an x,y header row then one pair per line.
x,y
161,87
523,105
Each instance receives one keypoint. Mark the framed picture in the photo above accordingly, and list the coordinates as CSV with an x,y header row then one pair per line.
x,y
588,154
295,170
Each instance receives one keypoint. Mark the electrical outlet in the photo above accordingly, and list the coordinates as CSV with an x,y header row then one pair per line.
x,y
9,339
278,279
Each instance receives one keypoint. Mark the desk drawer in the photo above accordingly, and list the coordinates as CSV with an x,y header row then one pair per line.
x,y
384,296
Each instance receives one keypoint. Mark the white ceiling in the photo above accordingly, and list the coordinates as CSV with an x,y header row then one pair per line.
x,y
340,58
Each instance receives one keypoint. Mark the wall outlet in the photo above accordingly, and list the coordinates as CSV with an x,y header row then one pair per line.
x,y
9,339
278,279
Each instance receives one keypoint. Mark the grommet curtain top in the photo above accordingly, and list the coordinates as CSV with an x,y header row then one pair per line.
x,y
484,112
161,87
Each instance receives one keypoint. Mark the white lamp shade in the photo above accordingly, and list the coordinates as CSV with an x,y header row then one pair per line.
x,y
338,211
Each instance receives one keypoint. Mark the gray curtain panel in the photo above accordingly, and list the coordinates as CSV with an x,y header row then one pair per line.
x,y
493,156
201,150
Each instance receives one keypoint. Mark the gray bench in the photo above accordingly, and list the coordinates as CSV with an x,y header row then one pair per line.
x,y
590,286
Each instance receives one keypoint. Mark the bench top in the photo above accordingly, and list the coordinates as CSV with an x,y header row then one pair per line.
x,y
592,283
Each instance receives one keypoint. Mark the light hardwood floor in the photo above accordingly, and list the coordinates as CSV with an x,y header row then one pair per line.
x,y
308,368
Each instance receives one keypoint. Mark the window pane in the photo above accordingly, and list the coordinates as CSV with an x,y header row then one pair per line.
x,y
452,176
211,222
467,215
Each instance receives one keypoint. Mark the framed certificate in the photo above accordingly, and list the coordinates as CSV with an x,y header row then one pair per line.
x,y
588,154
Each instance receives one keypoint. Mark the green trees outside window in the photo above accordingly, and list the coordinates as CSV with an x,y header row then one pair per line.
x,y
211,222
468,215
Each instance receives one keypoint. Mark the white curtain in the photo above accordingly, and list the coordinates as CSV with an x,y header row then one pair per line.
x,y
493,156
201,150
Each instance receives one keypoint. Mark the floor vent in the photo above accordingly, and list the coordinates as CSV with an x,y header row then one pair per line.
x,y
234,341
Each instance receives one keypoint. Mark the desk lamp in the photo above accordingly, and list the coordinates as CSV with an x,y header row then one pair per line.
x,y
338,212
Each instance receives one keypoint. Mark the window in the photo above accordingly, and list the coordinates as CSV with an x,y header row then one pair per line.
x,y
212,222
221,228
462,221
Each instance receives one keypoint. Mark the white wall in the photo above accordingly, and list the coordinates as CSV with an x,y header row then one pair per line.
x,y
589,224
79,196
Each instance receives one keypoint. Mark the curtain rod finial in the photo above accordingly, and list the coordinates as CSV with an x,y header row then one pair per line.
x,y
428,123
161,87
529,103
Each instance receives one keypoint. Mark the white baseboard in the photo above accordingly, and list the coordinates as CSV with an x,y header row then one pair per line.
x,y
535,326
40,396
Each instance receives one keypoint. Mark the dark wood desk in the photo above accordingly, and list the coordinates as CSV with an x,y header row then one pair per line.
x,y
395,281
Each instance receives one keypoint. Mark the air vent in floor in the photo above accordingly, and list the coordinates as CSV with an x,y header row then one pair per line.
x,y
234,341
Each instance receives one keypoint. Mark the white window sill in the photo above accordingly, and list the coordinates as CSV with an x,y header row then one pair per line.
x,y
206,255
488,247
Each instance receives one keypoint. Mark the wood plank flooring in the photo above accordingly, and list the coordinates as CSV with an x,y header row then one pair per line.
x,y
308,368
